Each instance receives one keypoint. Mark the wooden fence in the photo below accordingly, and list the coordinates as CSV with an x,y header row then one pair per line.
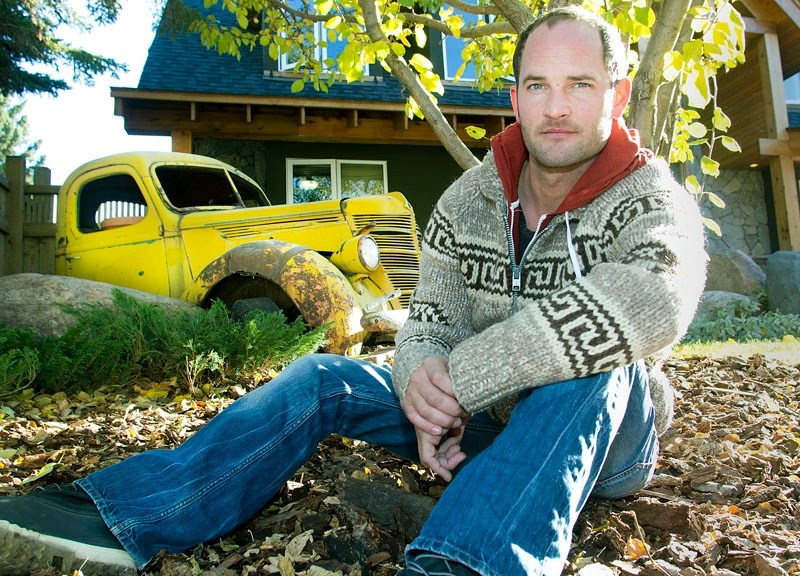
x,y
27,220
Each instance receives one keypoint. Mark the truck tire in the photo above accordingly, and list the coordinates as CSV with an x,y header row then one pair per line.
x,y
242,308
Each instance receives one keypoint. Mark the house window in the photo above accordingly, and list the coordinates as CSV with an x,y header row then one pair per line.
x,y
792,88
453,46
313,180
326,48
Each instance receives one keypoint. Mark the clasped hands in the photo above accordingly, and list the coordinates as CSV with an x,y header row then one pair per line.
x,y
438,418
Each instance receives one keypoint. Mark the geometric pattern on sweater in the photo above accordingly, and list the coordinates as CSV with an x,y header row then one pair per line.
x,y
640,250
589,332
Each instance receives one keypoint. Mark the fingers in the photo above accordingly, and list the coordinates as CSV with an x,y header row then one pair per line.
x,y
441,457
429,401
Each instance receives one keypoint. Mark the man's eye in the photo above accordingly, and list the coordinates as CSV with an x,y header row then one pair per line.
x,y
582,85
535,86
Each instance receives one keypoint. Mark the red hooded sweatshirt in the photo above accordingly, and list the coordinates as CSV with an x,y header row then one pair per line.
x,y
621,156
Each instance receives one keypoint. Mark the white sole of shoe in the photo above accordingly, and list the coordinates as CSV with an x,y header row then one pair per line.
x,y
22,551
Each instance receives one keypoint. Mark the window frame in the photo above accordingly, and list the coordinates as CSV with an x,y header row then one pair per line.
x,y
336,171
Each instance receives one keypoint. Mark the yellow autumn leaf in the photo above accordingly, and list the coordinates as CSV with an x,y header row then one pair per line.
x,y
635,549
475,132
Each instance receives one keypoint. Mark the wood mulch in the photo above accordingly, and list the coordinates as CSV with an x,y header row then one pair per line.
x,y
724,500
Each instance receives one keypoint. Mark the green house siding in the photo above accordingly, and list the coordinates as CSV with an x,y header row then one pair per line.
x,y
421,173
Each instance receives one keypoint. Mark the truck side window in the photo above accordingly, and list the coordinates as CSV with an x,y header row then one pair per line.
x,y
110,202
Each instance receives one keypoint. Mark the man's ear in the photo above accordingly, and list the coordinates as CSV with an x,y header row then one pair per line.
x,y
622,95
513,94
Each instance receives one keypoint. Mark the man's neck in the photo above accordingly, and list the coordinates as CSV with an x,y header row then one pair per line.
x,y
542,191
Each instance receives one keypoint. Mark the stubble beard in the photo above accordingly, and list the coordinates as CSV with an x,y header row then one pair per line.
x,y
563,156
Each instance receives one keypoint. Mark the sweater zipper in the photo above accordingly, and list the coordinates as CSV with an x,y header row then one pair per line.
x,y
516,269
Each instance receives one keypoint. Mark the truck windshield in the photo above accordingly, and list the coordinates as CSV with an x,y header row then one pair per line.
x,y
193,187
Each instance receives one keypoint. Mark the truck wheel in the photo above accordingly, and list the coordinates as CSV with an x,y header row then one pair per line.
x,y
242,308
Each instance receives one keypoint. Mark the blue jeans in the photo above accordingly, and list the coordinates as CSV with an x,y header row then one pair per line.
x,y
509,510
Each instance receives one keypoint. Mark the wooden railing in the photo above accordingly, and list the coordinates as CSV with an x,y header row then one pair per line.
x,y
27,220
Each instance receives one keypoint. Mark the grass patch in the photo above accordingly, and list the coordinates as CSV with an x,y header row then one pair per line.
x,y
132,340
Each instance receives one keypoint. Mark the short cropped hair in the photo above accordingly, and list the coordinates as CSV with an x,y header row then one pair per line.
x,y
615,53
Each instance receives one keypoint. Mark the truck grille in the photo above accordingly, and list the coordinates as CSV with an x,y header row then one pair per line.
x,y
283,222
396,236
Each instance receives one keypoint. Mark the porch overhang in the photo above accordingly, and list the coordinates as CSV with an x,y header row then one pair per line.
x,y
186,115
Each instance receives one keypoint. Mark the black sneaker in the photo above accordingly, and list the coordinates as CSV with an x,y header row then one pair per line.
x,y
58,527
429,564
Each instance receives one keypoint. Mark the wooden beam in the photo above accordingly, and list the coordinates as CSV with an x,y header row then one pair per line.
x,y
294,102
268,125
193,111
249,113
301,116
756,26
496,125
352,119
789,147
182,141
792,9
400,121
782,173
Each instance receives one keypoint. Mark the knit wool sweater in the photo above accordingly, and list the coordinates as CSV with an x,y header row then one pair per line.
x,y
640,250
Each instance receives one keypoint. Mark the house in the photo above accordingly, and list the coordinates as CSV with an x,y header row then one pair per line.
x,y
356,136
762,98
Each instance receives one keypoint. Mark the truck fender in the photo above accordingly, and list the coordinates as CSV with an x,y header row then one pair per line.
x,y
317,288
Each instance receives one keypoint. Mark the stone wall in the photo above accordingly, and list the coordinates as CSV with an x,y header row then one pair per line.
x,y
744,219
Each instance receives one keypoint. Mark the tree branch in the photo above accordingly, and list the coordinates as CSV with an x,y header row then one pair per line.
x,y
498,27
400,70
518,14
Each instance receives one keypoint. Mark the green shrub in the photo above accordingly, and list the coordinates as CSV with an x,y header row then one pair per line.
x,y
131,339
19,361
738,326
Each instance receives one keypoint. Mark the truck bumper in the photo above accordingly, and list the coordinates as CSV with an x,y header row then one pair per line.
x,y
384,321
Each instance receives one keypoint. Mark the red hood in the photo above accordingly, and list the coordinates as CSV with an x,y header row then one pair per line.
x,y
621,156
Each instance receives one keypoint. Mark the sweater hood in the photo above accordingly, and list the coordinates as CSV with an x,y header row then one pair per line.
x,y
621,156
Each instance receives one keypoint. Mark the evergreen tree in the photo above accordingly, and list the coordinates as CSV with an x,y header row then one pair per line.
x,y
14,136
29,42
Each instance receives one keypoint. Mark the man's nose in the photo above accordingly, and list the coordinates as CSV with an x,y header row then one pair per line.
x,y
557,103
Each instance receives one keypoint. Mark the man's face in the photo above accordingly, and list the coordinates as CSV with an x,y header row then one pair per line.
x,y
564,100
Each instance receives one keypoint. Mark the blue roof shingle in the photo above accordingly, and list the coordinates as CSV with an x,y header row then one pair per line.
x,y
181,63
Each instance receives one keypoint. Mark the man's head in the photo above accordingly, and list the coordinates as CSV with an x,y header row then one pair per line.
x,y
571,86
614,52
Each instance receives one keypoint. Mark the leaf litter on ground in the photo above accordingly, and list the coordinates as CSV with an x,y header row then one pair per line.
x,y
723,501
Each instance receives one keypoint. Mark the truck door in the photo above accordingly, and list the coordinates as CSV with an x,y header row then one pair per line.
x,y
112,234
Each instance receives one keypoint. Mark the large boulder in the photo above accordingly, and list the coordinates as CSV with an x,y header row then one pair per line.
x,y
37,301
713,301
783,282
734,271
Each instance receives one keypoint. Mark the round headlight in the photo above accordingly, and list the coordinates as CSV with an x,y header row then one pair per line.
x,y
368,252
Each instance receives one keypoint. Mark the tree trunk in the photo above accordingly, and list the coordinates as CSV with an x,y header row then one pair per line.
x,y
642,114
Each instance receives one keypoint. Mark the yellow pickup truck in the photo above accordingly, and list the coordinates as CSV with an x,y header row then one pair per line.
x,y
195,228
